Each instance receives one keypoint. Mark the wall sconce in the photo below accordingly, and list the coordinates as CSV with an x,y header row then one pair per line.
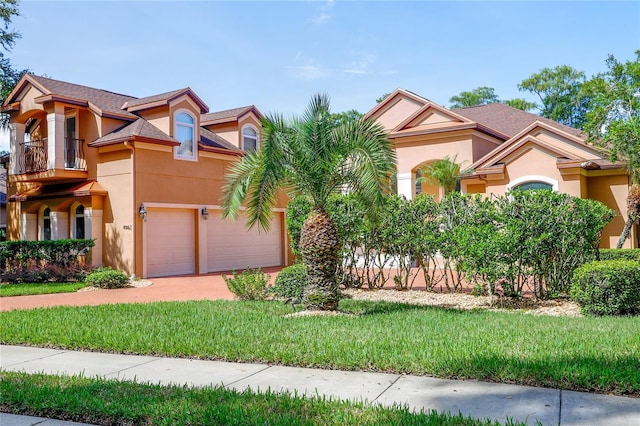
x,y
205,213
142,211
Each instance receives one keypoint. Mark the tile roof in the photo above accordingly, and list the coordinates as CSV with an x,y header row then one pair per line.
x,y
140,129
106,101
509,120
81,189
209,138
163,99
226,115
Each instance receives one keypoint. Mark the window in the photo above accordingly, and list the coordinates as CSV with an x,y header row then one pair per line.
x,y
79,223
70,143
533,185
418,182
525,183
249,138
185,132
46,224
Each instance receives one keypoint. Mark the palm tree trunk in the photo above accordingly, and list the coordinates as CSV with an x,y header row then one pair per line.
x,y
319,246
633,212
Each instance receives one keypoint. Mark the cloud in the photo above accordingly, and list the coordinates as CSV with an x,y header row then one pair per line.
x,y
360,63
324,16
306,68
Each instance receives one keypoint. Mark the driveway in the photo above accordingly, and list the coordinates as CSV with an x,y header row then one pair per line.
x,y
192,287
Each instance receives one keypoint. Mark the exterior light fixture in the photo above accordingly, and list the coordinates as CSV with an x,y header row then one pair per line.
x,y
205,213
142,211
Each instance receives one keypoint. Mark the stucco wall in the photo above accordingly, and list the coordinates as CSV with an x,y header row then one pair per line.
x,y
612,191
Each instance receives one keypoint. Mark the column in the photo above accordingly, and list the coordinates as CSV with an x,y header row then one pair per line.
x,y
55,139
29,227
405,188
59,225
16,149
93,231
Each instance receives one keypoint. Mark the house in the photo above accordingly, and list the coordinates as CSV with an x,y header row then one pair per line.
x,y
505,148
141,176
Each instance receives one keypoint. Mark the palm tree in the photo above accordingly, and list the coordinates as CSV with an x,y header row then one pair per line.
x,y
316,156
444,173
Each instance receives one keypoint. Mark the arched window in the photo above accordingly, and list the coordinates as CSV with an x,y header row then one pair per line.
x,y
185,133
418,182
525,183
249,138
79,223
533,185
46,224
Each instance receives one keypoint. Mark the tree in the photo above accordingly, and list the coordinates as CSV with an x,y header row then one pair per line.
x,y
8,75
8,9
478,96
520,103
382,98
613,123
558,89
314,156
344,117
444,173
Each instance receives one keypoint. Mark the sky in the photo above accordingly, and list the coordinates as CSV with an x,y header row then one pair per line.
x,y
276,55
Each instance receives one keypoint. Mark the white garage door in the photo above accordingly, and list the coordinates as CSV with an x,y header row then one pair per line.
x,y
170,242
232,246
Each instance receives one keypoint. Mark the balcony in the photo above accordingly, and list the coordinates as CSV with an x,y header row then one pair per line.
x,y
33,161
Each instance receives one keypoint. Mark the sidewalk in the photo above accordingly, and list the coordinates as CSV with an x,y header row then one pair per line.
x,y
477,399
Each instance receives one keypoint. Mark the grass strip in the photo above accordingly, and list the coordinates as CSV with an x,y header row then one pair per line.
x,y
101,401
586,354
26,289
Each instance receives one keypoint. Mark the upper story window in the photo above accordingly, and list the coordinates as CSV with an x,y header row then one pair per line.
x,y
249,138
185,133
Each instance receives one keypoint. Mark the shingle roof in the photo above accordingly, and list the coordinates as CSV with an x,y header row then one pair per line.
x,y
140,128
76,189
509,120
106,101
163,99
209,138
226,115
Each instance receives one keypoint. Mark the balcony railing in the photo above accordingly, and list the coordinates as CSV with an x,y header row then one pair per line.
x,y
33,155
74,154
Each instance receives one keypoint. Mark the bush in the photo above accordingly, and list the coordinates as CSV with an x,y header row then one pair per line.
x,y
609,287
43,261
251,284
620,254
107,278
291,282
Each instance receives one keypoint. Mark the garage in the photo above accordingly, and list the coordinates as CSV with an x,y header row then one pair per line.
x,y
170,242
232,246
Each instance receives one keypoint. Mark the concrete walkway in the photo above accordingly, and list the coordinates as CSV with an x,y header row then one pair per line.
x,y
477,399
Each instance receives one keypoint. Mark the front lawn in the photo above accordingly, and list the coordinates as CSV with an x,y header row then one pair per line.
x,y
111,402
587,354
25,289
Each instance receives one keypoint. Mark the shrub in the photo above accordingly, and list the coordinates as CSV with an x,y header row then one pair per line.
x,y
291,282
251,284
620,254
107,278
42,261
609,287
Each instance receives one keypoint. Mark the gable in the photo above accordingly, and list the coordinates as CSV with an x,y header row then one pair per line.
x,y
397,112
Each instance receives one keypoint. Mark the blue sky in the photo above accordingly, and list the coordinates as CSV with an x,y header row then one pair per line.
x,y
276,55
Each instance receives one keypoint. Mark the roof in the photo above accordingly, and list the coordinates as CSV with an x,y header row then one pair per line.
x,y
82,189
227,115
140,129
209,138
508,120
163,99
103,100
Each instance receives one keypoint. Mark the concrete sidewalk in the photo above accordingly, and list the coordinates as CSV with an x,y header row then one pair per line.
x,y
477,399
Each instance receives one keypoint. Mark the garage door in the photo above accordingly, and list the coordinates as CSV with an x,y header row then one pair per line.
x,y
170,242
232,246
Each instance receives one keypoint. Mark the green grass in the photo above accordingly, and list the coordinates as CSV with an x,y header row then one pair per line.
x,y
103,401
587,354
25,289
